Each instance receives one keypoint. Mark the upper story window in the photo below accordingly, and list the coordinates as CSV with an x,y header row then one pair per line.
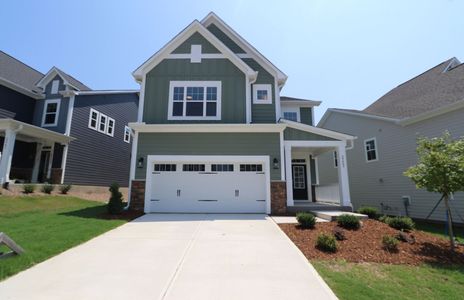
x,y
101,122
370,146
127,133
50,113
262,94
194,100
55,86
291,115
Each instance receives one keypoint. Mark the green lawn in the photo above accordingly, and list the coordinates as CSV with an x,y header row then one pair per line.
x,y
47,225
382,281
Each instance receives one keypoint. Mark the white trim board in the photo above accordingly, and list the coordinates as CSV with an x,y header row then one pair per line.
x,y
142,127
317,130
50,75
57,114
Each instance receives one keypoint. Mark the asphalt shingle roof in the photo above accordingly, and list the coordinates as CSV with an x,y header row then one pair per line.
x,y
73,81
18,72
428,91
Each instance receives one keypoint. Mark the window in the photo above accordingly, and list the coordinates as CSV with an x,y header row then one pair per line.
x,y
335,159
55,85
93,119
165,168
251,168
371,150
222,168
195,100
193,168
51,111
110,127
127,134
262,94
102,123
291,115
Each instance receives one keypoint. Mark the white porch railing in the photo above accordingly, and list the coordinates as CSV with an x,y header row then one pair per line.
x,y
329,193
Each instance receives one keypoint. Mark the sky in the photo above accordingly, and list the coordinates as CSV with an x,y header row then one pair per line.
x,y
344,53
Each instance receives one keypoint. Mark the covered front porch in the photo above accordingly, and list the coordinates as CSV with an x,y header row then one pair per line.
x,y
31,153
304,192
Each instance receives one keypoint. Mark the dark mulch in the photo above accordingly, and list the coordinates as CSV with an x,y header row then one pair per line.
x,y
365,245
128,215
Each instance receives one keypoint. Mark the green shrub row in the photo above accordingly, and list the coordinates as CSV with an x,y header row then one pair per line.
x,y
400,223
46,188
371,212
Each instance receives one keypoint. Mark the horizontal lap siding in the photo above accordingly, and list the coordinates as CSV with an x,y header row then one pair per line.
x,y
95,158
17,104
383,181
208,144
157,88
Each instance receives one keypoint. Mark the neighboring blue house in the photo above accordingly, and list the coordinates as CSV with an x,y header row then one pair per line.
x,y
53,128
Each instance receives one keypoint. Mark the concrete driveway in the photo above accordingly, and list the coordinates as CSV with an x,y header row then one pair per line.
x,y
177,256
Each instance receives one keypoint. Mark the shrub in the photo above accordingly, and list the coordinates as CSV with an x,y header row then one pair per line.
x,y
47,188
28,188
115,205
384,219
390,243
306,220
348,222
371,212
400,223
326,243
64,189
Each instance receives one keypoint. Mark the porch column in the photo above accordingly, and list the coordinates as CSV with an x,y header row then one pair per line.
x,y
7,155
35,169
343,181
288,174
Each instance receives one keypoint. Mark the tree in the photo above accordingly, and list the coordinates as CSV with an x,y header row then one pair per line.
x,y
115,205
440,169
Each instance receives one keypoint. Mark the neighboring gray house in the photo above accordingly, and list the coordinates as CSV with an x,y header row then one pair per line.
x,y
387,130
54,128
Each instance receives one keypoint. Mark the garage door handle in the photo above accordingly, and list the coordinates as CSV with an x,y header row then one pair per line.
x,y
178,193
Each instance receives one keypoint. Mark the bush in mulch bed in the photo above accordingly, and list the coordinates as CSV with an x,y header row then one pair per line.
x,y
306,220
390,243
348,222
326,242
365,245
400,223
371,212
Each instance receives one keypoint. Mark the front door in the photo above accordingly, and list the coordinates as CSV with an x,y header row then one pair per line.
x,y
300,186
43,166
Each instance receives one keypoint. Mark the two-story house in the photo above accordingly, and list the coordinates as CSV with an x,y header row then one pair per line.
x,y
214,134
387,130
53,128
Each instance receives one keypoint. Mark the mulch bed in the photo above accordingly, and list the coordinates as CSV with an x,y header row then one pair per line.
x,y
365,245
128,215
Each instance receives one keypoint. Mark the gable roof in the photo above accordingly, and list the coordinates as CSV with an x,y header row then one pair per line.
x,y
317,130
19,76
212,18
437,87
195,26
68,80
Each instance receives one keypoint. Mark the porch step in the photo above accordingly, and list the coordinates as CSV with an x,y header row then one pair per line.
x,y
332,215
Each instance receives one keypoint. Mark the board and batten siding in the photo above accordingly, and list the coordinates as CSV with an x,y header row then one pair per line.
x,y
292,134
233,106
208,144
306,115
382,182
196,39
95,158
225,39
64,105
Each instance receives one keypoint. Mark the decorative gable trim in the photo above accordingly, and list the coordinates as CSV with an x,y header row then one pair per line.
x,y
212,18
50,75
166,51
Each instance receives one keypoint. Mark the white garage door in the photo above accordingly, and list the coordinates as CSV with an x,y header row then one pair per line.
x,y
200,186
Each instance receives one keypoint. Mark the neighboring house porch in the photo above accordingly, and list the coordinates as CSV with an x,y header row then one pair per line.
x,y
34,148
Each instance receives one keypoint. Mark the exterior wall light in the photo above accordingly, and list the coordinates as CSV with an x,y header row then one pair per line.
x,y
275,163
140,163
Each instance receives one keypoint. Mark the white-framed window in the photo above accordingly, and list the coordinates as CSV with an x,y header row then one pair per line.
x,y
370,147
335,155
127,134
103,121
110,127
194,100
291,113
93,119
262,94
50,113
55,86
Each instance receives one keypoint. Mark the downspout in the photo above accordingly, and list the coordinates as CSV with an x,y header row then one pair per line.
x,y
135,137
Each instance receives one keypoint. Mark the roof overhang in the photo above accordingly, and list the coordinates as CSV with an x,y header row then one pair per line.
x,y
11,85
329,112
316,130
212,18
34,133
195,26
50,75
303,103
154,128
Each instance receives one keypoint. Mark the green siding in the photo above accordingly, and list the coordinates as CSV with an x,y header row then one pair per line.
x,y
225,39
196,39
208,144
233,104
306,115
291,134
262,113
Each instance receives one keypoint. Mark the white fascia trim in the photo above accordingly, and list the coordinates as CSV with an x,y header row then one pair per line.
x,y
44,113
195,26
317,130
307,103
265,160
332,110
433,113
19,89
35,132
142,127
314,144
263,61
277,100
83,93
141,99
50,75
